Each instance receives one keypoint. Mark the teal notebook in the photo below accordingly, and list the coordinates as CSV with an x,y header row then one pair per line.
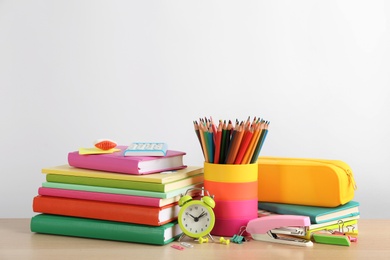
x,y
106,230
317,214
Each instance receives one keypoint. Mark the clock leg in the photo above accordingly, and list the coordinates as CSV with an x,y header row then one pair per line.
x,y
212,239
182,235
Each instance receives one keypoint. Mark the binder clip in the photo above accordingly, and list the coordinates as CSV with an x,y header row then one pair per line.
x,y
280,229
336,237
239,238
350,233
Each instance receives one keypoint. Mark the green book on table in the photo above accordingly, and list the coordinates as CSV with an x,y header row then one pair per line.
x,y
106,230
317,214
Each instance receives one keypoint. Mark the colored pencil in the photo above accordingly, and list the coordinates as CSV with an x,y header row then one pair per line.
x,y
196,128
231,143
235,144
260,143
210,144
228,144
252,145
214,128
228,138
201,132
244,146
218,142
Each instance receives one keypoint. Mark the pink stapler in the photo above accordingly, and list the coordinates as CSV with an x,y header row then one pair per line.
x,y
280,229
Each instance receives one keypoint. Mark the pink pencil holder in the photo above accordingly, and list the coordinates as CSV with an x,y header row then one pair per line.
x,y
234,187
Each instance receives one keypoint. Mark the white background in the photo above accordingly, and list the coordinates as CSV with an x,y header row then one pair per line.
x,y
75,71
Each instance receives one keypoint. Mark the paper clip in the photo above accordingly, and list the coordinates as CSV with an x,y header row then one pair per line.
x,y
239,239
188,245
177,247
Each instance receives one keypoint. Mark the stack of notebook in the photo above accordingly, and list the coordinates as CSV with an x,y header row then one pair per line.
x,y
321,189
341,219
85,199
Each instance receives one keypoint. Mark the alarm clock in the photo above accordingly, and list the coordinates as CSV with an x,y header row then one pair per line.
x,y
196,217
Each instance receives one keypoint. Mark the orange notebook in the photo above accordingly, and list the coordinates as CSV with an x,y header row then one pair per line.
x,y
153,216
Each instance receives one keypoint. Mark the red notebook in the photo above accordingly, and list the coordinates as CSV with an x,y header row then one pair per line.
x,y
153,216
117,162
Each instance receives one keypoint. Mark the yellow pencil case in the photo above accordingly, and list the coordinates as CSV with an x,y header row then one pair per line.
x,y
305,181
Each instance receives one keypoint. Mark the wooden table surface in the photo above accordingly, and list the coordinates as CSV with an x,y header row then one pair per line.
x,y
18,242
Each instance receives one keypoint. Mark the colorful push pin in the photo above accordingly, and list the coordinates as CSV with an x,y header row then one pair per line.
x,y
224,241
352,239
105,144
202,240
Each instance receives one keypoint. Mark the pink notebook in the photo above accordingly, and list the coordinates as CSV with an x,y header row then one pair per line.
x,y
107,197
117,162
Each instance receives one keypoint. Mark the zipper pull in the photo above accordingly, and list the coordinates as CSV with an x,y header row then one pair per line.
x,y
351,179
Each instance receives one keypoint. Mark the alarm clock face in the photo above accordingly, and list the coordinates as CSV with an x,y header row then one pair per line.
x,y
196,219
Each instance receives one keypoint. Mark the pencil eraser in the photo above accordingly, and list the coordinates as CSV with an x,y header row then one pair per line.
x,y
105,144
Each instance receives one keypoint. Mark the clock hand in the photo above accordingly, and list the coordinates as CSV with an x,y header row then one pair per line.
x,y
193,216
196,219
202,214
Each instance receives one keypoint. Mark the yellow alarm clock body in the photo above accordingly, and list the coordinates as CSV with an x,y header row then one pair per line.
x,y
196,217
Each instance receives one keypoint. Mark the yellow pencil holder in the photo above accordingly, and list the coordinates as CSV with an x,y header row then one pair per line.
x,y
235,190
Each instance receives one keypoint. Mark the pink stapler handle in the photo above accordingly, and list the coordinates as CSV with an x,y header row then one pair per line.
x,y
263,224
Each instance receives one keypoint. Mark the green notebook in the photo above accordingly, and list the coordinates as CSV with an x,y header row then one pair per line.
x,y
106,230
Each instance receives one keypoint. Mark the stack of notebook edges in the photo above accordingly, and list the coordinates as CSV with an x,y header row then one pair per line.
x,y
122,205
340,220
321,189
